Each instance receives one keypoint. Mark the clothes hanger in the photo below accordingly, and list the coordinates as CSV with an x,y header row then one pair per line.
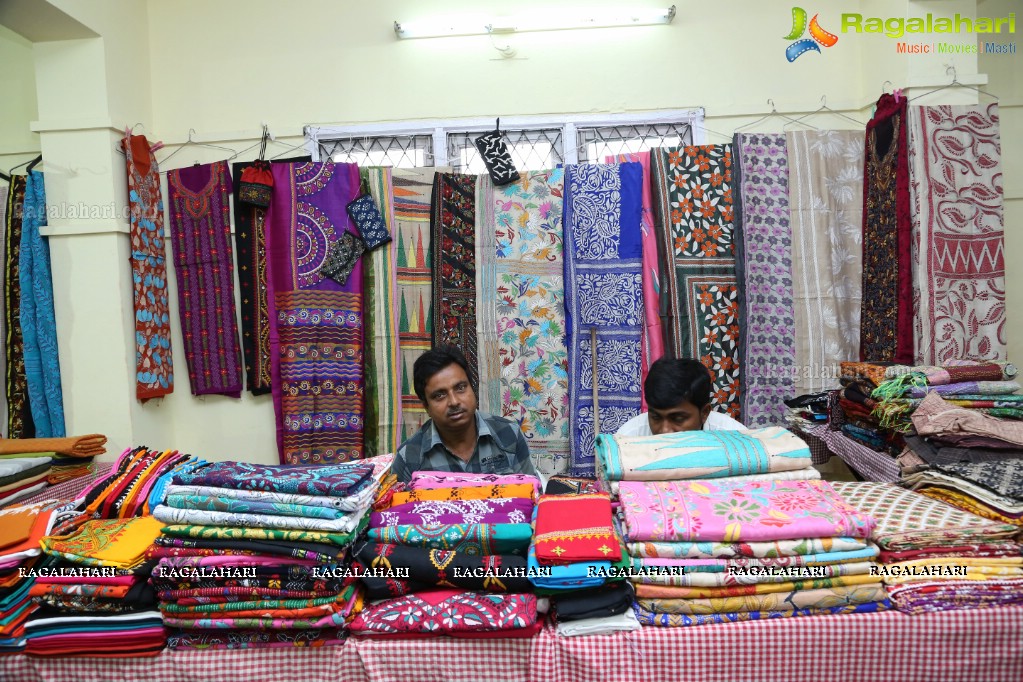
x,y
300,145
266,140
190,141
951,70
5,177
774,112
825,108
30,164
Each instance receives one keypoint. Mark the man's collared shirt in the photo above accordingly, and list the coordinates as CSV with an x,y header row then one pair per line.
x,y
500,449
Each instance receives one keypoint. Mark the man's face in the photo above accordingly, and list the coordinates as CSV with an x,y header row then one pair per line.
x,y
682,417
450,400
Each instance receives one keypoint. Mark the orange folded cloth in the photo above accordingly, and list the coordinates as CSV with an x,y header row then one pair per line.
x,y
73,446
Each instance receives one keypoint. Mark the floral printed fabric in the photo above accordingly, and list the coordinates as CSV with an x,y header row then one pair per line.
x,y
426,480
725,579
826,209
731,550
958,233
520,303
230,504
359,500
437,512
683,511
447,611
199,517
828,597
603,261
693,187
701,454
763,256
468,538
680,620
337,480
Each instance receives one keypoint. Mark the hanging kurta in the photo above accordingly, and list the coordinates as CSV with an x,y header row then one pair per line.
x,y
453,223
154,369
316,323
19,417
520,308
763,255
958,233
38,321
886,322
200,227
825,214
693,189
604,302
414,295
382,352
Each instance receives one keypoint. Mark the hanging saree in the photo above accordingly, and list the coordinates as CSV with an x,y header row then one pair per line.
x,y
603,306
154,367
200,227
825,208
316,324
886,324
763,255
958,233
250,244
19,416
383,384
453,226
4,193
414,296
693,190
523,361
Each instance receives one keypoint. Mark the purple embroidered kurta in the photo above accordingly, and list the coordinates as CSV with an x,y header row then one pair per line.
x,y
200,227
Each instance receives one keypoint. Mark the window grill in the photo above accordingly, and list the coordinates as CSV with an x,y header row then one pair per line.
x,y
596,144
530,149
400,151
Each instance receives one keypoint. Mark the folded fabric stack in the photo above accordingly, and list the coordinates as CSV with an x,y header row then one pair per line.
x,y
21,529
256,556
857,409
22,477
447,556
805,412
936,557
725,551
70,457
98,585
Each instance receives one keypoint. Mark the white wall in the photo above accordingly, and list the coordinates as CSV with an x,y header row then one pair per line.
x,y
18,101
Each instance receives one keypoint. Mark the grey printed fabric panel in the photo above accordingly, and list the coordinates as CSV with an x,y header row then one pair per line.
x,y
495,154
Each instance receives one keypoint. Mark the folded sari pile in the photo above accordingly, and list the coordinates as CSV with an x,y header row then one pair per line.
x,y
935,557
728,551
858,417
255,556
450,541
22,477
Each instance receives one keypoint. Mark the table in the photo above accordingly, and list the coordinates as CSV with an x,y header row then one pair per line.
x,y
951,646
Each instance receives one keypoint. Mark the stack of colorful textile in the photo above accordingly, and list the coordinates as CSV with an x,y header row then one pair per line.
x,y
21,529
857,416
936,557
726,551
447,556
70,457
98,585
22,476
256,556
804,412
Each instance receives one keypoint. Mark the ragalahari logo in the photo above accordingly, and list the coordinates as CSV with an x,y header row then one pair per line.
x,y
818,36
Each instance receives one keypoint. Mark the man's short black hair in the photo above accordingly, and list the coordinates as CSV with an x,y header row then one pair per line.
x,y
433,361
671,381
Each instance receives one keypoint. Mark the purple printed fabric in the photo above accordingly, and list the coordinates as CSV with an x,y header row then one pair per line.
x,y
427,480
763,243
200,228
987,388
340,480
455,512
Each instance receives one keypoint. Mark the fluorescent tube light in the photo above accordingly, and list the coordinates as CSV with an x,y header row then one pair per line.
x,y
547,21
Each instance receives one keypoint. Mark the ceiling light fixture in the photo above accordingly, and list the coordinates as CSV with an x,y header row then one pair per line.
x,y
544,21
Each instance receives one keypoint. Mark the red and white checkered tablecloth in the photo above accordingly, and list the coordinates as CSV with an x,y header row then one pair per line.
x,y
953,646
871,464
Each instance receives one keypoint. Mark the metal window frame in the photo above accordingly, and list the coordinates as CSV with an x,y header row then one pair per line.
x,y
439,128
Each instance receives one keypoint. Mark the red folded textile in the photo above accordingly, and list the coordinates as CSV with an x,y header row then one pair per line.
x,y
575,529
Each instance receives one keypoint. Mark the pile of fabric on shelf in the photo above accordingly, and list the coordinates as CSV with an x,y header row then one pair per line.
x,y
447,556
256,556
725,551
577,557
936,557
21,529
21,477
28,465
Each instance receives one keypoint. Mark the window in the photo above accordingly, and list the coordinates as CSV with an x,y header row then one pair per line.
x,y
530,149
404,151
598,143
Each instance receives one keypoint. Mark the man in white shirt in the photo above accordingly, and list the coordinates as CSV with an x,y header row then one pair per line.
x,y
677,393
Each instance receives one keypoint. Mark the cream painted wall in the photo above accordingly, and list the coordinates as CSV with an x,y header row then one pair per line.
x,y
18,103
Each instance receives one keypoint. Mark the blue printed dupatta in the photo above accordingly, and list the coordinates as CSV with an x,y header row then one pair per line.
x,y
603,303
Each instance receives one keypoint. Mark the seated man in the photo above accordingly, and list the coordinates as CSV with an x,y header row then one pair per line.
x,y
677,394
457,437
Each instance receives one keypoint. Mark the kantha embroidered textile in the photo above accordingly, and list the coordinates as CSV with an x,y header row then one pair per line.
x,y
682,620
383,382
683,511
693,190
828,597
958,227
4,194
231,504
200,228
250,244
886,323
338,480
669,592
414,297
526,490
731,550
440,512
316,326
453,225
198,517
470,538
575,528
359,500
763,266
603,305
287,535
423,480
575,576
908,520
520,307
701,454
19,416
447,612
826,218
153,364
117,543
